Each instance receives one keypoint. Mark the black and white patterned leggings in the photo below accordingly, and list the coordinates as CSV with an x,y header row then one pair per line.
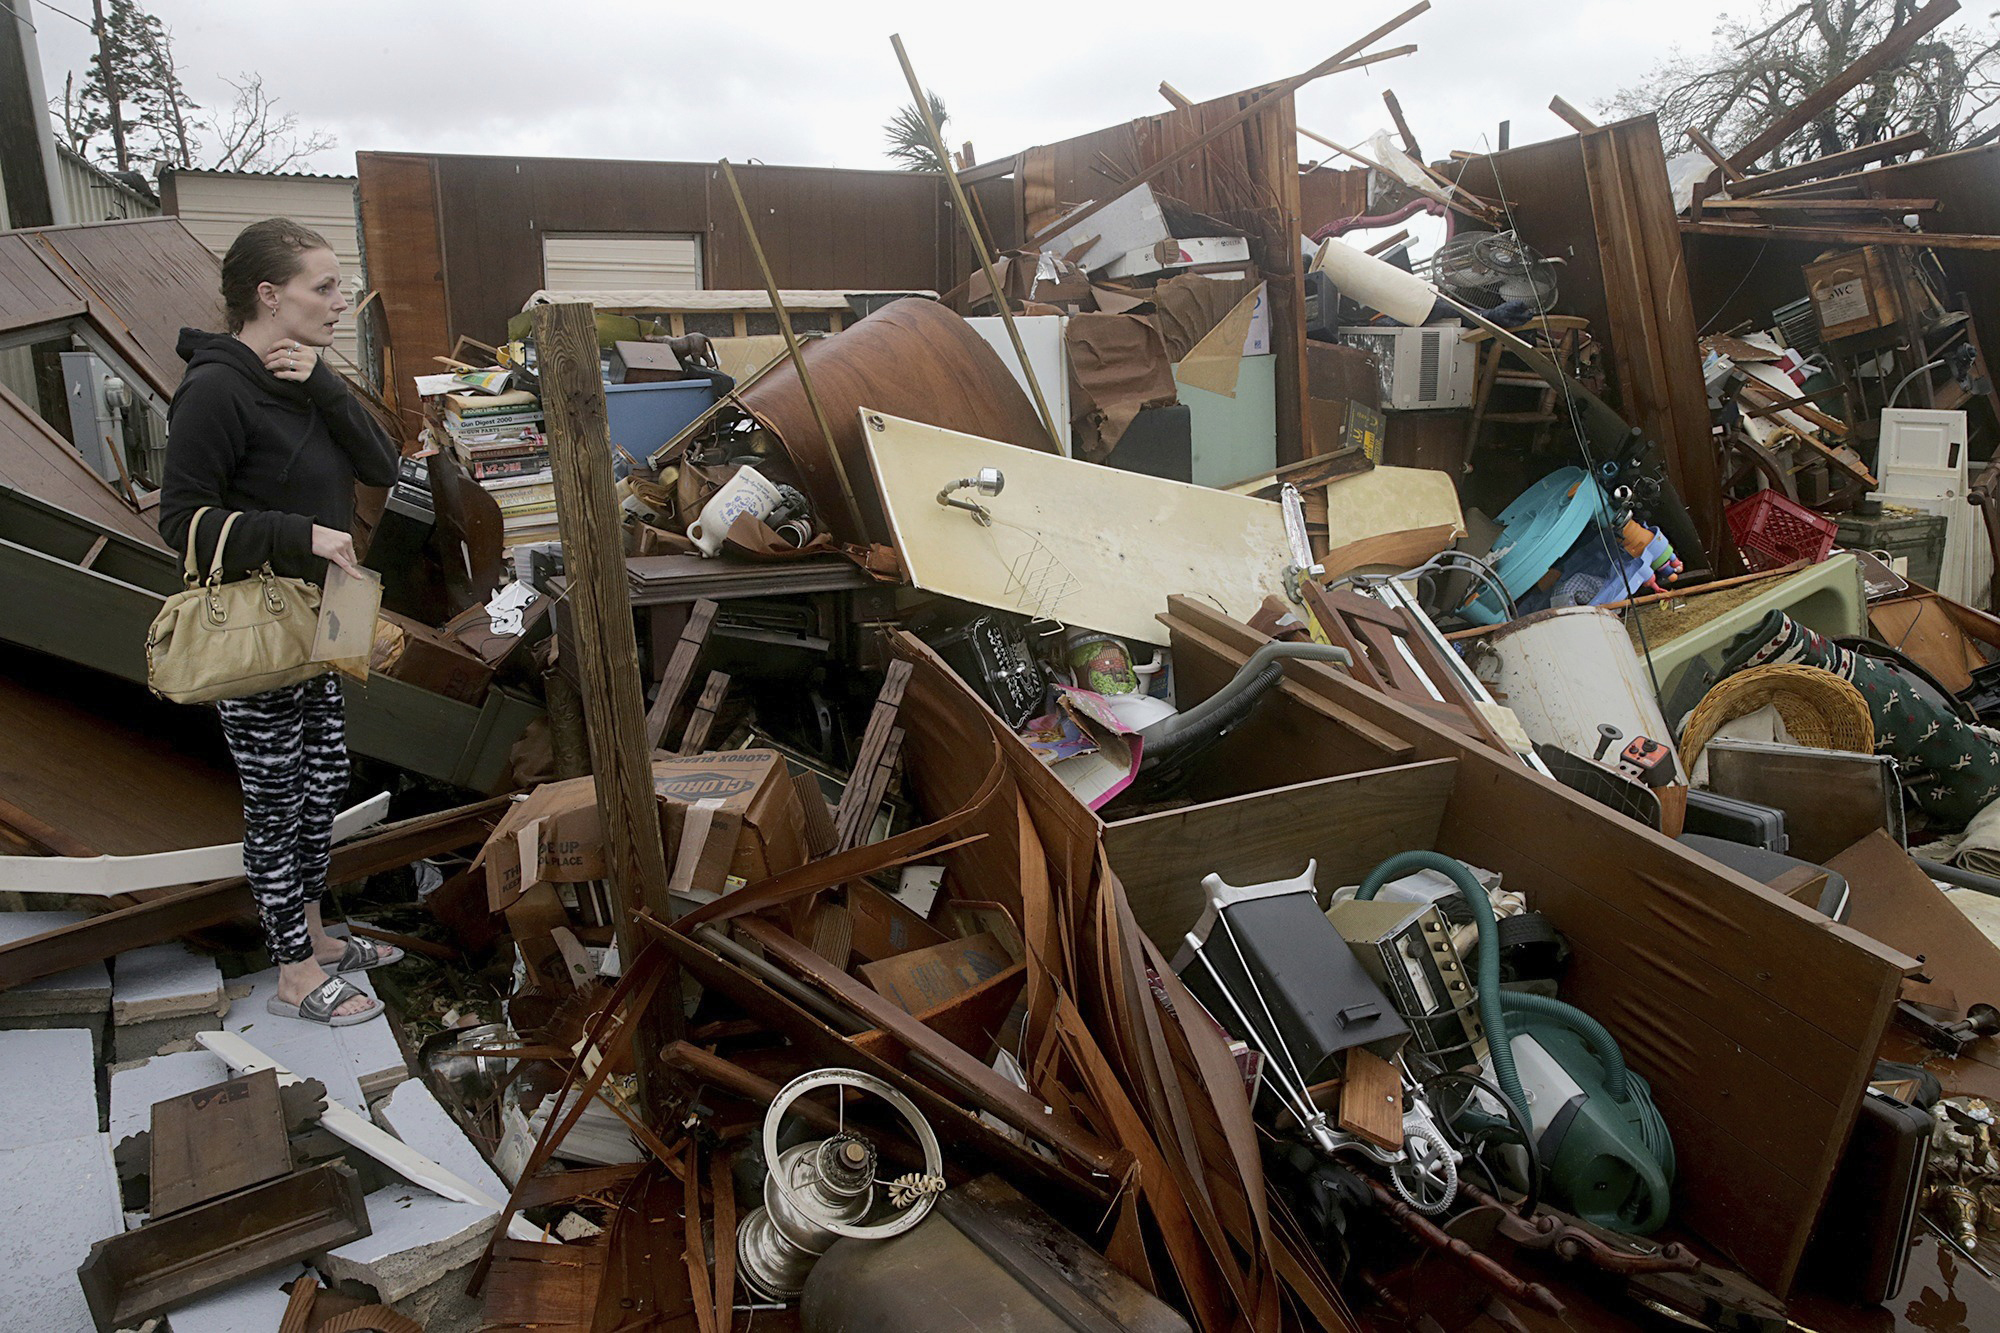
x,y
290,748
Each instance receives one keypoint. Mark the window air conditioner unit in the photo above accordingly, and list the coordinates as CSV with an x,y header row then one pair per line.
x,y
1428,367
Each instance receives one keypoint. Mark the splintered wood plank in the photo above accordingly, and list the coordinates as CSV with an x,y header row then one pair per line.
x,y
820,833
876,755
705,709
1371,1099
679,670
217,1140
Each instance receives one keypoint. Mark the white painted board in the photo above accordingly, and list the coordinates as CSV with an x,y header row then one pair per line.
x,y
1048,357
1126,223
1086,545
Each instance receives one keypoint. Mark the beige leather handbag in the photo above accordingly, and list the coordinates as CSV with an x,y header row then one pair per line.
x,y
218,640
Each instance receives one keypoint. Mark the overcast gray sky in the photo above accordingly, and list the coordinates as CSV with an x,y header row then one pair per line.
x,y
810,84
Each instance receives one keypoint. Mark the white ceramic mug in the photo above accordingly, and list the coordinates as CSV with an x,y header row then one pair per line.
x,y
748,492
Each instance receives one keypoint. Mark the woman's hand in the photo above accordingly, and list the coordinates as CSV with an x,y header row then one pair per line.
x,y
333,545
292,361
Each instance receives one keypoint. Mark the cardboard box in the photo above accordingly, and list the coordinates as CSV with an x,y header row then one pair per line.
x,y
414,652
1853,293
756,826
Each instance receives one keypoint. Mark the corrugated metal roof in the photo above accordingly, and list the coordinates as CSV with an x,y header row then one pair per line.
x,y
266,175
95,195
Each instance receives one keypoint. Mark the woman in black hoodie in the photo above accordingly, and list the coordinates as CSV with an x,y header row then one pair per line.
x,y
261,427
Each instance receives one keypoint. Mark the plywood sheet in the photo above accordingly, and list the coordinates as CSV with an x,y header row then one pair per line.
x,y
1087,545
1389,499
1348,824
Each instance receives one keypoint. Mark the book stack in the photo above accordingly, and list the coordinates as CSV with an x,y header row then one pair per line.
x,y
499,439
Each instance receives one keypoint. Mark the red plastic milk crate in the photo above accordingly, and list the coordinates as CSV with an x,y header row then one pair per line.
x,y
1772,531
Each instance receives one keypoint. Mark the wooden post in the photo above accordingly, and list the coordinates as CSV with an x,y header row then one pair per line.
x,y
607,650
1058,440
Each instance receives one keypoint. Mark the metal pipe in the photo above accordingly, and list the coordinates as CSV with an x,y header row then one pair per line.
x,y
797,354
1964,879
771,975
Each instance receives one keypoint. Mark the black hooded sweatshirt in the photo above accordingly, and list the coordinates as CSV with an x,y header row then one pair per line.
x,y
285,454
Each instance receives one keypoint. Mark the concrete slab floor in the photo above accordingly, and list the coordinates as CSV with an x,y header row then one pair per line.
x,y
416,1117
255,1305
337,1057
48,1087
417,1239
85,989
57,1199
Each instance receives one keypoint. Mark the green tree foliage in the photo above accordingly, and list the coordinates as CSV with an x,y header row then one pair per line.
x,y
908,143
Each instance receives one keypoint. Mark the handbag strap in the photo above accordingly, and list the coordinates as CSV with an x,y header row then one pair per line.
x,y
188,571
221,540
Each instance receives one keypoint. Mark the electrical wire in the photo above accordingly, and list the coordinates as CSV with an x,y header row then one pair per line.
x,y
1519,1127
1575,415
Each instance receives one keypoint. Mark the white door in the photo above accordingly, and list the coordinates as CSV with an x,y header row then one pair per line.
x,y
631,261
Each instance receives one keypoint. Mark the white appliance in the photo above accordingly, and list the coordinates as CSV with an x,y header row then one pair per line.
x,y
1420,368
1922,465
1043,336
1174,253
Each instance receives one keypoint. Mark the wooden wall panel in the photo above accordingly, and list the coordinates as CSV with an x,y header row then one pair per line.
x,y
1735,279
404,264
1348,824
1624,271
1756,1020
1330,194
1652,325
1249,178
861,230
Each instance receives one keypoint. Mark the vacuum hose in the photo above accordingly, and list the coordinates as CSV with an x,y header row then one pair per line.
x,y
1404,863
1620,1083
1172,737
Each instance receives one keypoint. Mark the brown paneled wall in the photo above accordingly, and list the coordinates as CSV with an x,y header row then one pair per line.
x,y
454,243
1248,178
1600,203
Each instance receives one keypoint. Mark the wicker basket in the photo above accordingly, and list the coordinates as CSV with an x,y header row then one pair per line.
x,y
1820,709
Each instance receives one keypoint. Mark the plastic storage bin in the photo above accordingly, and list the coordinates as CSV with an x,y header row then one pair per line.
x,y
1772,531
645,416
1911,533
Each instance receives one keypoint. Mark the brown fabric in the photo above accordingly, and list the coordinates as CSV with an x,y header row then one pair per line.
x,y
1187,307
1118,366
912,359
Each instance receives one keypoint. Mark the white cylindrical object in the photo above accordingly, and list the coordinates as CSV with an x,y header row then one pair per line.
x,y
748,492
1401,296
1564,671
